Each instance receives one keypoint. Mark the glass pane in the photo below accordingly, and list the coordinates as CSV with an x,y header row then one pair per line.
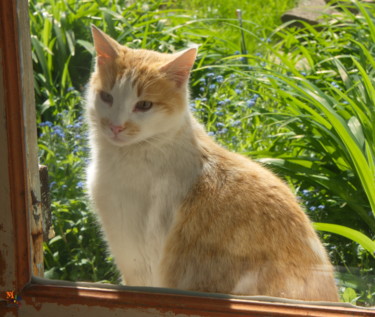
x,y
297,100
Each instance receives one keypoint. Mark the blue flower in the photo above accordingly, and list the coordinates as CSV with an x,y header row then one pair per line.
x,y
57,130
238,91
334,84
219,111
223,131
201,89
221,103
321,207
77,124
70,89
250,103
80,184
306,192
202,80
236,123
220,125
312,208
210,133
219,79
212,86
46,124
210,75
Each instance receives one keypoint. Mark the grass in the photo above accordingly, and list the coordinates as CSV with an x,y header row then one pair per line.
x,y
298,100
221,21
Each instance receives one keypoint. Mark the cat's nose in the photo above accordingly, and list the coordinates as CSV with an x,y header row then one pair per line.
x,y
116,129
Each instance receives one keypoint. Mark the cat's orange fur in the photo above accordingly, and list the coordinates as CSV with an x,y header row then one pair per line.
x,y
236,228
239,220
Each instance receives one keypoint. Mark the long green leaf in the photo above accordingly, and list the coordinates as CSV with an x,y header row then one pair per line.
x,y
349,233
323,102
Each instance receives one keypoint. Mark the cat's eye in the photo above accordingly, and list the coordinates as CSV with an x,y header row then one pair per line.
x,y
143,106
106,97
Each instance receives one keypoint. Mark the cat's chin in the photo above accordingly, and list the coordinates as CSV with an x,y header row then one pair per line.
x,y
120,142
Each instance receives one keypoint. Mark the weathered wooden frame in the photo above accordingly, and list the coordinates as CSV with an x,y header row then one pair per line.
x,y
19,195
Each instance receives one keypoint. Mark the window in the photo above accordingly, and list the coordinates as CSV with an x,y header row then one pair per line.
x,y
20,220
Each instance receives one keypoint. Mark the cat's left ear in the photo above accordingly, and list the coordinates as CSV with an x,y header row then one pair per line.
x,y
179,68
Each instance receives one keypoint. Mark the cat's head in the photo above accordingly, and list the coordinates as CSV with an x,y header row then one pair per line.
x,y
136,94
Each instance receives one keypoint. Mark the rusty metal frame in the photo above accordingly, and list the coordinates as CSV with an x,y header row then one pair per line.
x,y
50,298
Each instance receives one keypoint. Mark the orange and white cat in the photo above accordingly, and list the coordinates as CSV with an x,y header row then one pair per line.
x,y
177,209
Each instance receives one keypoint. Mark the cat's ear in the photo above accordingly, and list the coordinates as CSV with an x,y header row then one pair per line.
x,y
106,48
179,68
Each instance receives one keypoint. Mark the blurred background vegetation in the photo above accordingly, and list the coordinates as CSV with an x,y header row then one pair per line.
x,y
299,100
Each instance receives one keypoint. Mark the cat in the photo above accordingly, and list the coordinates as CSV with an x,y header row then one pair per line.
x,y
177,209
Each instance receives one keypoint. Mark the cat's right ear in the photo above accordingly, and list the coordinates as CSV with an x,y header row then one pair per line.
x,y
179,68
106,48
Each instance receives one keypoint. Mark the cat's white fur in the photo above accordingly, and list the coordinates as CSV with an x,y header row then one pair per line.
x,y
140,186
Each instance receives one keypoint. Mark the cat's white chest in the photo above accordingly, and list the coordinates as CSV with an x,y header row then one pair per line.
x,y
137,199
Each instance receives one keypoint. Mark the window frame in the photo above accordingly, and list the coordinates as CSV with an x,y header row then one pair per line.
x,y
18,171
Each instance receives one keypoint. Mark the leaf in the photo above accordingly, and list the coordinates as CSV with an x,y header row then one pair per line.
x,y
55,239
349,233
87,45
350,146
356,128
70,38
65,78
350,296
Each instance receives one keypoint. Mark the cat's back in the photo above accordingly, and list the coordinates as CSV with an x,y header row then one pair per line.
x,y
241,223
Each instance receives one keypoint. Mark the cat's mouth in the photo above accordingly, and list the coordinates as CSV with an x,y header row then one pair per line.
x,y
121,139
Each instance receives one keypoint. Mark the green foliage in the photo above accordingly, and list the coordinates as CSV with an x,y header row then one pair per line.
x,y
77,251
300,101
259,17
323,83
